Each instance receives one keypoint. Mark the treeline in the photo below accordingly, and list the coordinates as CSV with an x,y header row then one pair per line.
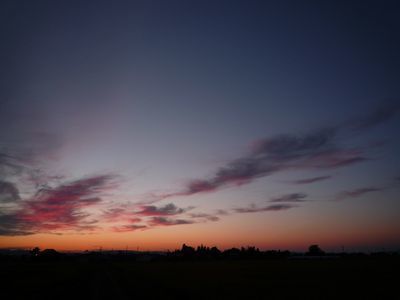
x,y
204,252
185,253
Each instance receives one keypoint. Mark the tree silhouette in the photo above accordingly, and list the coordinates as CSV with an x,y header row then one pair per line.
x,y
187,250
35,251
315,250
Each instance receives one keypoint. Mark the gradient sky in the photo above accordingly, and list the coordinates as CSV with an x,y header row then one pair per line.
x,y
155,123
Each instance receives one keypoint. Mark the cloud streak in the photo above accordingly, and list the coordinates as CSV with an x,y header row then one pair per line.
x,y
380,115
150,216
10,165
317,150
128,228
294,197
163,221
254,209
204,216
357,192
320,149
8,192
311,180
166,210
58,209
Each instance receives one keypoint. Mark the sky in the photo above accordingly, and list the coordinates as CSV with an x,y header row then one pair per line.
x,y
149,124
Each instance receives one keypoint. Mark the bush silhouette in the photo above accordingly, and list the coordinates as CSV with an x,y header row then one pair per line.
x,y
35,251
315,250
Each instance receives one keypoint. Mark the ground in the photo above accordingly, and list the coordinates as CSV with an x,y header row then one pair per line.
x,y
253,279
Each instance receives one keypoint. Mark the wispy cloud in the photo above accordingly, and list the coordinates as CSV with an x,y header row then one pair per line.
x,y
128,228
285,152
311,179
8,192
163,221
294,197
381,114
150,216
128,212
357,192
254,209
59,208
221,212
204,216
23,155
10,165
10,225
115,214
166,210
320,149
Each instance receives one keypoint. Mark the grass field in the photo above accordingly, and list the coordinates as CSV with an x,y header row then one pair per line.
x,y
257,279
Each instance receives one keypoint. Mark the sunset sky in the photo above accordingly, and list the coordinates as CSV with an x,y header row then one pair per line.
x,y
148,124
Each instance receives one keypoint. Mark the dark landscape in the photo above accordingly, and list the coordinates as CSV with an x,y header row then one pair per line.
x,y
205,274
141,141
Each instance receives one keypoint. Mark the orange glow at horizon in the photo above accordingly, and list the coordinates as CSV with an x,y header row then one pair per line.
x,y
295,238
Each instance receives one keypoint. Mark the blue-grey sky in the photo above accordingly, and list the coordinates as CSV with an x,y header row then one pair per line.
x,y
274,120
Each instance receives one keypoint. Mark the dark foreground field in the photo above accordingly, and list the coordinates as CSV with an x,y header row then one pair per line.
x,y
257,279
